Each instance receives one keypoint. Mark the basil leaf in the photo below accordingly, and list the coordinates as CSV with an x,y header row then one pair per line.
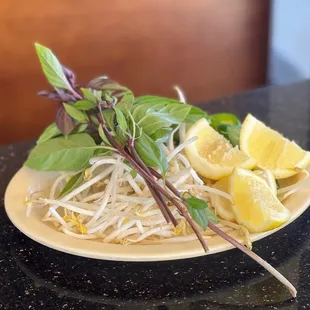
x,y
101,152
196,203
156,116
73,183
211,216
150,153
223,119
84,105
233,134
120,136
82,128
121,119
161,135
49,132
200,212
133,173
51,67
89,95
154,100
195,114
94,119
62,154
103,136
75,113
64,121
230,132
109,116
113,86
126,102
199,216
128,98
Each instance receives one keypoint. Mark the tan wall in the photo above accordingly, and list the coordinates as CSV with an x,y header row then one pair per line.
x,y
210,48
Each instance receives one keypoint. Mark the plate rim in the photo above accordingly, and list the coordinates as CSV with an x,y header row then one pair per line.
x,y
116,252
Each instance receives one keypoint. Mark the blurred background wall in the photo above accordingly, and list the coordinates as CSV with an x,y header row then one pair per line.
x,y
289,59
210,48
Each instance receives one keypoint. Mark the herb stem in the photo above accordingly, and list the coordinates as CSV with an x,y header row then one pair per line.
x,y
157,196
238,245
168,183
75,93
255,257
156,186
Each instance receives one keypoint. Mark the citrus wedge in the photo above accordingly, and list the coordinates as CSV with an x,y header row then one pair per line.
x,y
221,204
255,205
211,155
271,150
269,178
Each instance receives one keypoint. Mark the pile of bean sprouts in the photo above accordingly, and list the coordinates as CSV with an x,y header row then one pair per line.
x,y
114,205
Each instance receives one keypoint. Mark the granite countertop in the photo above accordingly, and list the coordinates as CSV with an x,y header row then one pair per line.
x,y
35,277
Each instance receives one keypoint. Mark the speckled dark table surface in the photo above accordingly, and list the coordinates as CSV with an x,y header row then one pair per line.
x,y
35,277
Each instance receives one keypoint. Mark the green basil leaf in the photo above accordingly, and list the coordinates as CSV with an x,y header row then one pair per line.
x,y
154,102
126,102
62,154
128,98
196,203
154,116
200,211
73,183
113,86
121,119
120,136
109,117
89,95
50,132
51,67
101,152
151,100
195,114
233,134
84,105
223,119
94,120
75,113
161,135
103,136
230,132
150,153
133,173
199,216
211,216
82,128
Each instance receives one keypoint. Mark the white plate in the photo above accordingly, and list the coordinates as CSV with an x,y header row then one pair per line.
x,y
26,181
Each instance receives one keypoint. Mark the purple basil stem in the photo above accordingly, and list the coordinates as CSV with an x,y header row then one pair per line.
x,y
64,121
49,95
64,96
69,75
99,81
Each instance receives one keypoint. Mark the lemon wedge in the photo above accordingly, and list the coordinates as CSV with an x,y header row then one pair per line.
x,y
269,178
255,205
271,150
211,155
221,204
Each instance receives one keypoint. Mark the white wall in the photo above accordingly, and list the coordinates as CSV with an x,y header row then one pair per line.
x,y
289,59
289,62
